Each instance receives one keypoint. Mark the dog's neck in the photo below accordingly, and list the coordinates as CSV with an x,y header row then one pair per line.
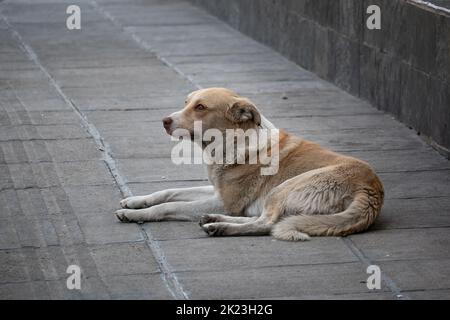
x,y
266,143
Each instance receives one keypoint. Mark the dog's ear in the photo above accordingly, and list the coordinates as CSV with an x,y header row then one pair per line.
x,y
242,111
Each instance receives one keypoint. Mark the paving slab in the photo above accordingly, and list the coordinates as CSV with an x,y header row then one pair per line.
x,y
414,213
136,170
416,275
406,244
232,254
287,281
430,294
124,259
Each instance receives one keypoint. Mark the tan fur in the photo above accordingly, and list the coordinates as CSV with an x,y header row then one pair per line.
x,y
316,192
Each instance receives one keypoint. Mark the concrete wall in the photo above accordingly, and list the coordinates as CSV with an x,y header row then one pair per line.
x,y
404,68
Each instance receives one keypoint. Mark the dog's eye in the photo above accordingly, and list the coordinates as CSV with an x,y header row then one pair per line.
x,y
200,107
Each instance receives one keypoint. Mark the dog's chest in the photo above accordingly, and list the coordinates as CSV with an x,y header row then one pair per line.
x,y
255,208
237,190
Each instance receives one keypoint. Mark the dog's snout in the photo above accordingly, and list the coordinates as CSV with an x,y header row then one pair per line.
x,y
167,121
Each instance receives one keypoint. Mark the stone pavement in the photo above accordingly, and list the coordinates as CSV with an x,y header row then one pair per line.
x,y
80,128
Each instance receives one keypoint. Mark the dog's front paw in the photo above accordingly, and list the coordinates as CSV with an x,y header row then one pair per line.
x,y
137,202
122,216
126,215
214,229
207,218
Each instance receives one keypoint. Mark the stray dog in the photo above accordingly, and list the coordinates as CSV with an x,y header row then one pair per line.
x,y
316,192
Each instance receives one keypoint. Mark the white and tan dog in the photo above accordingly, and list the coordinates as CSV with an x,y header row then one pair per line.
x,y
315,192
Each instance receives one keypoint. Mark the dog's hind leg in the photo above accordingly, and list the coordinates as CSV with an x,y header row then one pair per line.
x,y
258,227
247,226
168,195
210,218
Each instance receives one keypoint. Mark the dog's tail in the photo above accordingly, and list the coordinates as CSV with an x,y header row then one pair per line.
x,y
359,215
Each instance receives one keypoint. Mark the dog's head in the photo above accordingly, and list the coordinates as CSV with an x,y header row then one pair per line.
x,y
217,108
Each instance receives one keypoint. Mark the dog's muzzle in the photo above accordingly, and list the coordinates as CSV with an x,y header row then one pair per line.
x,y
167,123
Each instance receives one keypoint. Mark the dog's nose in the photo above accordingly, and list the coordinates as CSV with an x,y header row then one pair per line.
x,y
167,121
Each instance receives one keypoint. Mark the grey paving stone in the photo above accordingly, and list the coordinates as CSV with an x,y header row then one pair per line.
x,y
414,213
16,151
90,199
130,103
37,100
374,295
275,281
114,59
26,132
236,45
282,76
48,231
34,151
127,90
8,235
33,175
8,200
233,58
198,68
174,230
134,147
403,160
43,12
431,183
234,253
68,173
151,130
361,139
43,117
179,14
309,102
418,274
443,294
12,266
124,259
84,173
131,116
272,87
73,150
92,288
410,244
152,77
137,170
319,123
168,34
137,287
106,228
15,291
45,202
24,78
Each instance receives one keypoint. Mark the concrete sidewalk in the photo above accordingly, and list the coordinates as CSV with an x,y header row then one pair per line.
x,y
80,128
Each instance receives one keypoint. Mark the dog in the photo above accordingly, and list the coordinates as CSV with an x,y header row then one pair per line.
x,y
316,192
